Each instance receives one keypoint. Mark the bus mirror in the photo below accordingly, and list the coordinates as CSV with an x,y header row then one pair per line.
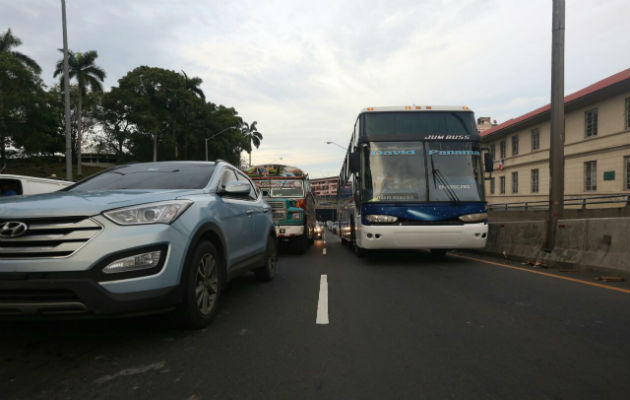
x,y
354,162
488,162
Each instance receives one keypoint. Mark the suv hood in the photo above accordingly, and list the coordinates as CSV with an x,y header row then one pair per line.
x,y
63,204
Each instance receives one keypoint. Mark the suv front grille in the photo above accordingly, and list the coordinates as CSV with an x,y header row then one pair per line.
x,y
49,237
36,295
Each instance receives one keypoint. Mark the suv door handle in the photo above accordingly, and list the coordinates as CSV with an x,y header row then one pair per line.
x,y
250,212
265,210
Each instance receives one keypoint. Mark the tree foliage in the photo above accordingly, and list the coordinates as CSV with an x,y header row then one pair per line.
x,y
152,114
81,67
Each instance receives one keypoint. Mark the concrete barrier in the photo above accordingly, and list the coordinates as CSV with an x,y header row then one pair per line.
x,y
601,244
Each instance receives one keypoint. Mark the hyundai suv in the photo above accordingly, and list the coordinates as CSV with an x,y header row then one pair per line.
x,y
135,238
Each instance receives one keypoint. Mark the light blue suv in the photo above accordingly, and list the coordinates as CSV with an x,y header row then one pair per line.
x,y
136,238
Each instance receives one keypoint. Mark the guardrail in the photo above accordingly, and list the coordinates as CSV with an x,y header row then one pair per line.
x,y
582,203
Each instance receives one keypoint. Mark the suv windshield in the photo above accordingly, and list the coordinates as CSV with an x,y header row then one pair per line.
x,y
417,171
149,176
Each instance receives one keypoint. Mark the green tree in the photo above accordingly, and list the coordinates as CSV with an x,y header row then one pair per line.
x,y
8,42
87,74
21,102
157,113
152,97
192,85
114,117
250,132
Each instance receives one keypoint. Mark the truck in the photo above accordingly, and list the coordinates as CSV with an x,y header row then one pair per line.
x,y
288,191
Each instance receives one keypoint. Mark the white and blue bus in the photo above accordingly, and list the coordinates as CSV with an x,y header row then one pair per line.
x,y
412,178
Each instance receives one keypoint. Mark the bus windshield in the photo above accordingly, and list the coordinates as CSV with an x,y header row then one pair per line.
x,y
384,125
419,172
284,187
394,171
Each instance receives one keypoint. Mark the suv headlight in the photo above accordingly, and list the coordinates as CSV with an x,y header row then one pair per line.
x,y
163,212
473,217
381,219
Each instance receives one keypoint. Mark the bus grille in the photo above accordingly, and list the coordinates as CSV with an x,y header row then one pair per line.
x,y
49,237
278,210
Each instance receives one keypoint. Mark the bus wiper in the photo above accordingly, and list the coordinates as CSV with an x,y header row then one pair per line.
x,y
442,180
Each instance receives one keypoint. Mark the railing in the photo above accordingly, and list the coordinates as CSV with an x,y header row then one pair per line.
x,y
582,203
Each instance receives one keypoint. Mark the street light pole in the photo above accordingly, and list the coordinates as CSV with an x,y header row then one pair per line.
x,y
556,151
215,135
66,93
338,145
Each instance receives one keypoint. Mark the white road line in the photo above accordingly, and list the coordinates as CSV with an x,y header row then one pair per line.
x,y
324,251
322,304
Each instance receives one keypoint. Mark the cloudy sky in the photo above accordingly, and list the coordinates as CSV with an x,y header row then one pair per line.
x,y
304,70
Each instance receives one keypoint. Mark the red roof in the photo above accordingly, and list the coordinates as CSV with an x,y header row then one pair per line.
x,y
611,80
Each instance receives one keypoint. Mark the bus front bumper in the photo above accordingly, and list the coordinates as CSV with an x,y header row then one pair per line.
x,y
289,230
468,236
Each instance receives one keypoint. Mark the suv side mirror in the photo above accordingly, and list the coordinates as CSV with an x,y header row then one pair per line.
x,y
236,189
354,162
488,162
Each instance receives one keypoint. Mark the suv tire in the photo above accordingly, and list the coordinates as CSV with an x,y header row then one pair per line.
x,y
268,271
203,283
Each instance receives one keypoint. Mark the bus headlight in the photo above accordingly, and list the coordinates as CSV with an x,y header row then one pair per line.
x,y
473,217
381,219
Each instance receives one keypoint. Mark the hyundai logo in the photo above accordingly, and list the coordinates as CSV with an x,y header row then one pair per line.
x,y
12,229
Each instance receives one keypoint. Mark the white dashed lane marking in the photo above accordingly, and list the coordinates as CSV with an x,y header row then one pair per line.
x,y
322,303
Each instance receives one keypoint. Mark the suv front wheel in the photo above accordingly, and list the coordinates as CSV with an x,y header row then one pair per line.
x,y
203,285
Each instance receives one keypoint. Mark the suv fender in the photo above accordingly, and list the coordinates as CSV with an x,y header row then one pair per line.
x,y
212,232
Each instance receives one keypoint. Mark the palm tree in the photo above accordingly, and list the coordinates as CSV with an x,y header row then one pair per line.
x,y
192,85
81,67
7,42
253,136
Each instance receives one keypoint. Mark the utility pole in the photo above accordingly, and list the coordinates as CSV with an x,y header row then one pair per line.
x,y
66,93
556,150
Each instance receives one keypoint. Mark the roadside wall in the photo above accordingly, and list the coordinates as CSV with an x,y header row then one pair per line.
x,y
601,243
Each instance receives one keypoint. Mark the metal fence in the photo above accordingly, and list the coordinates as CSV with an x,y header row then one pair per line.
x,y
578,203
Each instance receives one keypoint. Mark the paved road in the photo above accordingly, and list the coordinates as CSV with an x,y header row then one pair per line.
x,y
401,326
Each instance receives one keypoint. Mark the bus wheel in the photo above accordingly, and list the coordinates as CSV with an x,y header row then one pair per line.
x,y
359,251
302,243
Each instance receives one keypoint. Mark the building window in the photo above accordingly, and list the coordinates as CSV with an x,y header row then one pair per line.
x,y
493,151
514,145
590,121
535,180
514,182
590,176
626,160
502,149
492,185
627,113
502,185
535,139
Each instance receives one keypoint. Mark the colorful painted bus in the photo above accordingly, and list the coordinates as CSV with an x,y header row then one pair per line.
x,y
288,191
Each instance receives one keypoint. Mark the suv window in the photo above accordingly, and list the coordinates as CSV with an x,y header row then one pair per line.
x,y
164,175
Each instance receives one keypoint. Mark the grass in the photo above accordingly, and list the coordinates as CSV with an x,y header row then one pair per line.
x,y
46,167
